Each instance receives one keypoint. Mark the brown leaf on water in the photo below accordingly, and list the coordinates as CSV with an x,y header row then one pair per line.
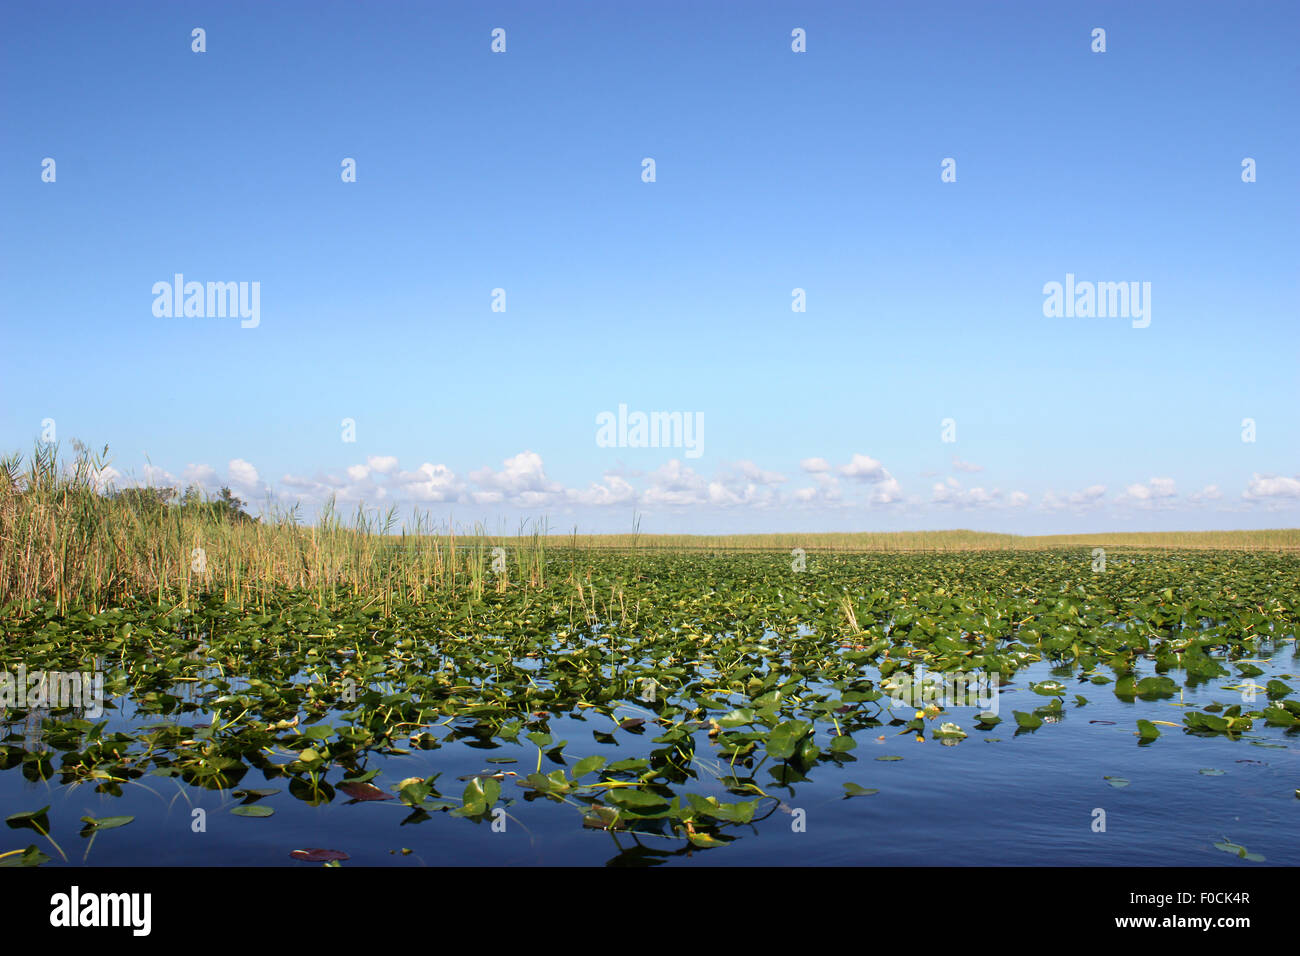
x,y
317,855
364,791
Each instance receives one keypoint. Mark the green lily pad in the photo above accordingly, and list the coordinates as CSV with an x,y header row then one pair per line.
x,y
854,790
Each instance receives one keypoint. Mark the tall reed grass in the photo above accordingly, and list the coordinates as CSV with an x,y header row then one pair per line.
x,y
63,538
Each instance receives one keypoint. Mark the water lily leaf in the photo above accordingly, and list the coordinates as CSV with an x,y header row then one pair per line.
x,y
251,796
1117,781
361,777
104,823
1155,688
1276,689
252,810
1027,721
632,798
413,791
737,718
363,791
1236,849
855,790
31,820
1209,772
1147,730
890,757
588,765
480,794
786,738
707,840
602,818
316,855
32,856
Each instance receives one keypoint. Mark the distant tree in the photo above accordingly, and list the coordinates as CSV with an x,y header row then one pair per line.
x,y
144,500
232,507
226,506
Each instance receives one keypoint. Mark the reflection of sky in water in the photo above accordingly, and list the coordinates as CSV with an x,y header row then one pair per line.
x,y
997,796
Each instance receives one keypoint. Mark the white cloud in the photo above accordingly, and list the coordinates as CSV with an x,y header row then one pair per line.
x,y
382,463
826,493
864,468
950,492
815,465
886,492
242,474
358,472
613,491
757,475
105,479
202,475
1090,497
1208,493
521,481
1271,486
155,477
960,465
675,484
428,483
1155,493
303,484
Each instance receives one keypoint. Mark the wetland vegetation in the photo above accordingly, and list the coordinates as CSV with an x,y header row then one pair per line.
x,y
337,692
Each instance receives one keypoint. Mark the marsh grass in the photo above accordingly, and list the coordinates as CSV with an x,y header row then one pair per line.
x,y
63,539
1284,539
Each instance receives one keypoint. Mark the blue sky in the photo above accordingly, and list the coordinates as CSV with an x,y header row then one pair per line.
x,y
774,170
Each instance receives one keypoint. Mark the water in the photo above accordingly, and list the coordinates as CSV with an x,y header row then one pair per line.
x,y
997,797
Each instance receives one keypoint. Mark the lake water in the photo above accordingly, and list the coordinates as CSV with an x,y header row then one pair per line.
x,y
997,797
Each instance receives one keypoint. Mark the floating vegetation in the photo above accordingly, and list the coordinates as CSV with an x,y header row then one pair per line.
x,y
672,696
1237,849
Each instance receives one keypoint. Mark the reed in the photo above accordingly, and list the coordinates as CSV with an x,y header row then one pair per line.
x,y
63,539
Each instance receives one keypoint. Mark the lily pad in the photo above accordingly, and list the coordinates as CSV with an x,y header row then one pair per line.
x,y
316,855
854,790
